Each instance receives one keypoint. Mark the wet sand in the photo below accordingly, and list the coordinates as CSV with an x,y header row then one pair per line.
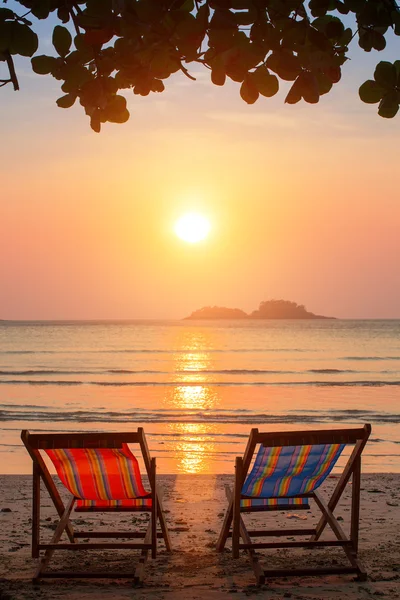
x,y
194,506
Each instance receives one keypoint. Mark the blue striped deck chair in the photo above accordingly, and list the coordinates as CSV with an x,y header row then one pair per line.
x,y
286,473
101,474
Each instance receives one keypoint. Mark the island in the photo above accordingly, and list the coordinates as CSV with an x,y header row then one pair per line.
x,y
268,309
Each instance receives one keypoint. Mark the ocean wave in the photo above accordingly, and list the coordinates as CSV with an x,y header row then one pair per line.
x,y
203,351
357,383
370,358
177,371
231,372
164,372
47,372
157,351
332,371
193,416
177,411
79,372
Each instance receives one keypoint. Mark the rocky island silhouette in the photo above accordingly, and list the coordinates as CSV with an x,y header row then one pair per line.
x,y
268,309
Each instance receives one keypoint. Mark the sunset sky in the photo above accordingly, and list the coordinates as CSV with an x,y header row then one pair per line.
x,y
303,202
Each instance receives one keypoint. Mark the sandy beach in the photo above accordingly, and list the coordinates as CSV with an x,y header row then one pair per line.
x,y
194,507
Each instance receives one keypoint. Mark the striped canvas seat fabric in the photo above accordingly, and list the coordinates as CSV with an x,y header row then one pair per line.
x,y
129,504
284,472
273,503
101,477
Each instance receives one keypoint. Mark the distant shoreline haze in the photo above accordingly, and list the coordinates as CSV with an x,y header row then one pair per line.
x,y
268,309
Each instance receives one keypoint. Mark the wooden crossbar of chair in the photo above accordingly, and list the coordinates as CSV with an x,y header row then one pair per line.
x,y
147,541
233,516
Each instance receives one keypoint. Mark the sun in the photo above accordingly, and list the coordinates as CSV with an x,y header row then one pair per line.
x,y
192,228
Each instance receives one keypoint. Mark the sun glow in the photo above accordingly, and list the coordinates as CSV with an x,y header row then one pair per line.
x,y
192,228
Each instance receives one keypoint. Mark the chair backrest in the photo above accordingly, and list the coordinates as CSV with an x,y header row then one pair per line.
x,y
99,473
290,470
94,466
294,463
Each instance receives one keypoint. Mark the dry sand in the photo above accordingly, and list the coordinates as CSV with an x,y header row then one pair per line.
x,y
194,506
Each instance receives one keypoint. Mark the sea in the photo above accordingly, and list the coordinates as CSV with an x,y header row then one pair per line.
x,y
198,387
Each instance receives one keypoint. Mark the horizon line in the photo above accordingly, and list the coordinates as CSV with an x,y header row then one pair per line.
x,y
186,319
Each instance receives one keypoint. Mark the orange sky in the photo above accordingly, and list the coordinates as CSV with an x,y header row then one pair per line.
x,y
303,202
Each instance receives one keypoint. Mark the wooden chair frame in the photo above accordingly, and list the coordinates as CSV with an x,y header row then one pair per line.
x,y
34,443
357,437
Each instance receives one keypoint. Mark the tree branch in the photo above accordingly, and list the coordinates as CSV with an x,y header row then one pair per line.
x,y
186,72
11,68
73,17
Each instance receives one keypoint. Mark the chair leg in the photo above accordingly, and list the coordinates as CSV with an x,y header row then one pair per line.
x,y
338,531
163,524
47,480
139,571
35,511
258,570
62,525
153,509
338,491
236,507
223,536
355,503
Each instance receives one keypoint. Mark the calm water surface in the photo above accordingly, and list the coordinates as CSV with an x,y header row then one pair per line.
x,y
199,387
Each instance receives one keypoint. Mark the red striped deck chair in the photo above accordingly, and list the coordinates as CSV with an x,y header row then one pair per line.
x,y
102,474
285,475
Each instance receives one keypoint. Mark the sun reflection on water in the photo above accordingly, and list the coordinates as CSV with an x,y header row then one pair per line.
x,y
195,447
195,397
192,367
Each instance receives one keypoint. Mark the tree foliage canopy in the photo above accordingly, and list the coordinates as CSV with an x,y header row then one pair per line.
x,y
105,46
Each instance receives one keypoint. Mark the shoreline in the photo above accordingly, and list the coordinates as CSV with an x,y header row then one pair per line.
x,y
333,475
194,507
